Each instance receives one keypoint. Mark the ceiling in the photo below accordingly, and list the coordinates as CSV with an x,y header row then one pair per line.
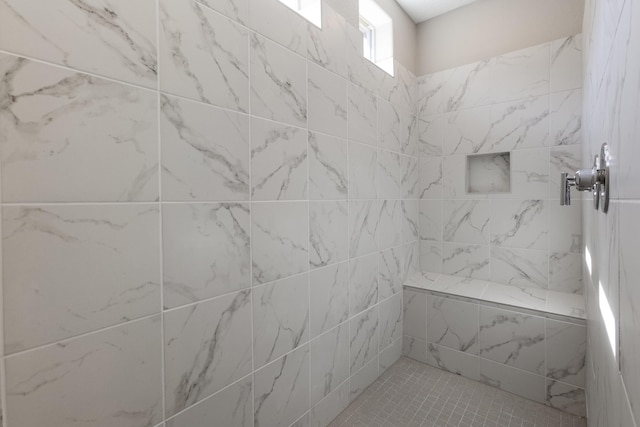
x,y
421,10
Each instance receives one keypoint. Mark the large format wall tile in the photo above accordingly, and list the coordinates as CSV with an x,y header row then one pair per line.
x,y
330,362
51,118
363,227
326,46
329,294
523,268
465,260
466,221
111,38
205,251
205,152
68,381
363,115
238,10
390,272
391,218
363,283
207,347
520,224
521,74
328,237
566,64
566,352
328,167
275,20
390,320
363,339
79,268
521,383
452,324
520,124
203,55
363,166
327,102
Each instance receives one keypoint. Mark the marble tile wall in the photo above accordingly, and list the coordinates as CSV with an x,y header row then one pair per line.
x,y
209,208
611,110
527,103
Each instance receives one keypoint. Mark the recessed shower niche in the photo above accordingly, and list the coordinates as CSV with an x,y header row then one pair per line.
x,y
489,173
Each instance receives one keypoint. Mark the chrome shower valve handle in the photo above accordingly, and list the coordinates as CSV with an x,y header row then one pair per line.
x,y
595,180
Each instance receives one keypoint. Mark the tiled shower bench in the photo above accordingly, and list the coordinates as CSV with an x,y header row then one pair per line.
x,y
530,342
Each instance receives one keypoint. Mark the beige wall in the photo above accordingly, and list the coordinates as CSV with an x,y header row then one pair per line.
x,y
488,28
404,34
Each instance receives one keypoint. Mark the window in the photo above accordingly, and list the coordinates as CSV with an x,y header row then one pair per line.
x,y
377,35
309,9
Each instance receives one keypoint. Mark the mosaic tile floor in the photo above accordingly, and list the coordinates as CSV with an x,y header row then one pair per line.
x,y
412,394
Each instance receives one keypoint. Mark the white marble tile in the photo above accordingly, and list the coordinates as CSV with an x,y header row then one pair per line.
x,y
52,117
565,117
329,291
566,64
565,227
531,298
390,272
390,223
399,88
411,261
281,390
529,174
280,318
488,174
393,127
203,55
326,46
328,167
430,185
414,348
207,347
431,134
431,88
48,378
453,361
362,111
453,324
116,39
566,352
461,286
410,210
454,179
80,268
513,339
206,251
516,381
275,20
565,272
523,268
468,86
363,227
431,256
278,82
519,124
360,71
329,362
362,379
390,355
391,173
466,221
466,260
415,314
206,152
566,158
410,178
330,407
566,398
278,161
521,74
363,167
520,224
238,10
363,283
328,238
468,131
279,233
230,407
564,304
363,339
430,220
327,102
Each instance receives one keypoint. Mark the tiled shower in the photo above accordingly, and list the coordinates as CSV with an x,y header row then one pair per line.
x,y
210,210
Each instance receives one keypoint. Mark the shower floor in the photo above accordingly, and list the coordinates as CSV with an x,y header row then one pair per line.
x,y
411,393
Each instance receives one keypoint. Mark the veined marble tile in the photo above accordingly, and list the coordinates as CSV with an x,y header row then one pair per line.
x,y
456,362
360,71
513,339
410,209
362,379
415,314
48,378
468,86
278,81
80,268
363,283
363,227
516,381
461,286
280,237
326,46
330,295
329,362
431,89
487,174
431,134
430,220
390,355
466,221
564,304
399,88
566,64
390,272
468,131
278,161
565,226
532,298
520,267
390,223
565,117
52,117
567,398
363,167
394,127
281,390
520,224
328,168
430,186
411,258
565,272
431,256
454,182
521,74
327,101
206,251
453,324
519,124
203,55
466,260
410,178
529,174
230,407
280,318
566,158
363,339
206,152
328,237
116,39
414,348
362,111
238,10
566,352
207,347
275,20
390,312
330,407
